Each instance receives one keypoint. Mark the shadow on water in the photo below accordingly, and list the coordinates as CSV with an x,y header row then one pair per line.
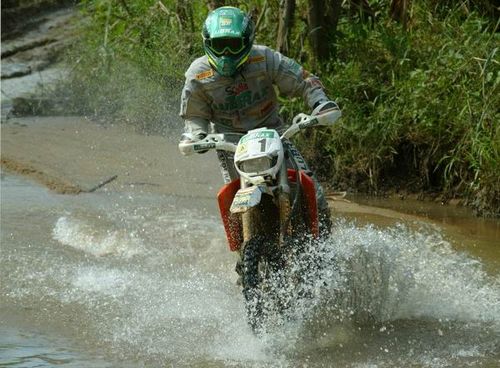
x,y
147,279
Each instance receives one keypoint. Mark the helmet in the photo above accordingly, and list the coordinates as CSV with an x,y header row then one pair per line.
x,y
228,35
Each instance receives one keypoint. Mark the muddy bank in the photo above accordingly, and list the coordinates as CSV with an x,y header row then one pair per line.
x,y
58,185
75,153
21,15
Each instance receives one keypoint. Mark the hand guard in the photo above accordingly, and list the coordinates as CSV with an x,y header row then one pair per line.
x,y
191,138
322,106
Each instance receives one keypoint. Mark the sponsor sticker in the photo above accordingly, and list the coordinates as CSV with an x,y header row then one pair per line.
x,y
205,74
227,30
242,148
257,135
225,22
242,199
237,89
256,59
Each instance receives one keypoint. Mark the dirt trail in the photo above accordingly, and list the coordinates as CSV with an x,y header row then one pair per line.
x,y
72,155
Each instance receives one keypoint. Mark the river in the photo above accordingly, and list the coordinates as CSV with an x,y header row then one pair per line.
x,y
118,279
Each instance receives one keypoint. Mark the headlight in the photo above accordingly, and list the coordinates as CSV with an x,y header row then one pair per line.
x,y
256,165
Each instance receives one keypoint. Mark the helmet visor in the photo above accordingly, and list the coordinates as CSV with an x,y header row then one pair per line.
x,y
228,44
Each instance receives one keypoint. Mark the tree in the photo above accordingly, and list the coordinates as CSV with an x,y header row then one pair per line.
x,y
362,8
214,4
287,10
400,10
184,13
323,17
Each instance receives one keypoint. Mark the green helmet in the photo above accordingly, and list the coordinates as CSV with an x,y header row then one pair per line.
x,y
228,35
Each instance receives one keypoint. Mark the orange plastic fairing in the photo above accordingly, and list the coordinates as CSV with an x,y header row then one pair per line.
x,y
232,224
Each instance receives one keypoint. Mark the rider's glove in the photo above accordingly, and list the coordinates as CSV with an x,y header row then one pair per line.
x,y
324,105
193,137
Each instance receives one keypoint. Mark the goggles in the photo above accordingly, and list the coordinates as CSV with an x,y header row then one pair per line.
x,y
222,45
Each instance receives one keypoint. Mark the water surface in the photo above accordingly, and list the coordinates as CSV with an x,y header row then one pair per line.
x,y
118,279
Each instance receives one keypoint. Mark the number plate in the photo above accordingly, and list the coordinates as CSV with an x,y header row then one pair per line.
x,y
245,199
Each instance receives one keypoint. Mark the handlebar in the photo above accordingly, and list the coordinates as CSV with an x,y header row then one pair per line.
x,y
211,141
299,122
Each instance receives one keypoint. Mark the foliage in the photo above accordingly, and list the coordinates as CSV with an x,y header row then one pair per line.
x,y
421,108
420,102
130,63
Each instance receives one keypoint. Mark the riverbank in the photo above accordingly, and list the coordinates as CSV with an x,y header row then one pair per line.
x,y
70,155
73,155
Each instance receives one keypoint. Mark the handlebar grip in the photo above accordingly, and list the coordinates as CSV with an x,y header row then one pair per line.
x,y
186,149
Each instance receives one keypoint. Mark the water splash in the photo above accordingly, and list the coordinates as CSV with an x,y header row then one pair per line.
x,y
397,273
82,235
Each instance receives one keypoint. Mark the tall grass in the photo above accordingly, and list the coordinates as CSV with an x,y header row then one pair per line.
x,y
421,109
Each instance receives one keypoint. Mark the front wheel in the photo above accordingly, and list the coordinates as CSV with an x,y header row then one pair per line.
x,y
261,276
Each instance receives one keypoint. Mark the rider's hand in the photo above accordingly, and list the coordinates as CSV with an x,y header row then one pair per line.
x,y
322,106
193,137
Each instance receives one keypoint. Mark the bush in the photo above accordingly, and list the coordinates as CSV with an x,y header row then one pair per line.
x,y
421,109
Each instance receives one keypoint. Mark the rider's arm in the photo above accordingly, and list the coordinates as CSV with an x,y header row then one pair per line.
x,y
195,108
293,80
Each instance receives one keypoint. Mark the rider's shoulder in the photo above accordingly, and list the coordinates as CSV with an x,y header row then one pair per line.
x,y
266,56
199,69
259,57
261,53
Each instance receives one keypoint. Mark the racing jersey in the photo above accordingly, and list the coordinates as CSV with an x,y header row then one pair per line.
x,y
247,100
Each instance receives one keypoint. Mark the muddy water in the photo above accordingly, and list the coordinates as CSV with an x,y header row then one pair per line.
x,y
479,237
114,279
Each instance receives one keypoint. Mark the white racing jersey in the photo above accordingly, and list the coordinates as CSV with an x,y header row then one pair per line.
x,y
247,100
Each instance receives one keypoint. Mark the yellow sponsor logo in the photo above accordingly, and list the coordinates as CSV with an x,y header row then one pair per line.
x,y
225,22
205,74
242,148
256,59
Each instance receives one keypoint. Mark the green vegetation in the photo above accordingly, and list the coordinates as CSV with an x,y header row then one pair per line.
x,y
420,102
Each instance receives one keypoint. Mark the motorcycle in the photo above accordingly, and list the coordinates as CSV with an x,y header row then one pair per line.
x,y
268,213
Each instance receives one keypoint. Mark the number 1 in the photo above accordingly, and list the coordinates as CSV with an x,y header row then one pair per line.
x,y
262,145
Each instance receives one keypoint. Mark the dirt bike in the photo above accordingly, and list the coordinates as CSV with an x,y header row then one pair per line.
x,y
268,212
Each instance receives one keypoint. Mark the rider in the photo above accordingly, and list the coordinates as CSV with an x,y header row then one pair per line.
x,y
231,89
